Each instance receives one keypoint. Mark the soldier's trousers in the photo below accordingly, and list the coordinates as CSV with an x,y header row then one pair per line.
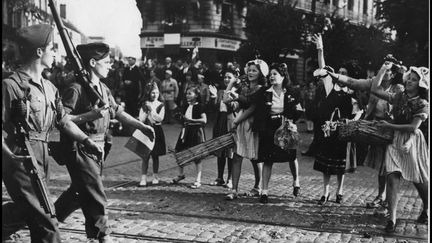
x,y
86,192
26,206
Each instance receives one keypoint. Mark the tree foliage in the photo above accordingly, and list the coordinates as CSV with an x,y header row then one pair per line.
x,y
410,19
349,43
271,28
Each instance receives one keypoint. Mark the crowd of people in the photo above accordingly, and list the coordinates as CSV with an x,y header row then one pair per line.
x,y
252,102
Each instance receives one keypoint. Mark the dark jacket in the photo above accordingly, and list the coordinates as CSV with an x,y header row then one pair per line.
x,y
262,111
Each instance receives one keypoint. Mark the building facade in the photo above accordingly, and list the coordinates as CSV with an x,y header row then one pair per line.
x,y
22,13
174,27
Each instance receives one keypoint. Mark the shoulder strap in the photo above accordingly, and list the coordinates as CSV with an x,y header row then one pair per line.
x,y
159,108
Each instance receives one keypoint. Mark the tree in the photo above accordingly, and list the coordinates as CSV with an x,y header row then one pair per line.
x,y
410,19
271,28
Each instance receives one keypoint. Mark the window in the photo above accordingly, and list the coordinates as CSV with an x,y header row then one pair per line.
x,y
350,5
365,6
175,12
227,16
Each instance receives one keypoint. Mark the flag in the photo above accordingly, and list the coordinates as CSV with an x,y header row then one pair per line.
x,y
195,53
140,144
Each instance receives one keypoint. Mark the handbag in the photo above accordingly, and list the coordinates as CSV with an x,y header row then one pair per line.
x,y
330,127
286,136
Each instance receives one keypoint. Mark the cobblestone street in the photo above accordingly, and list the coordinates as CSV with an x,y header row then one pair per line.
x,y
177,213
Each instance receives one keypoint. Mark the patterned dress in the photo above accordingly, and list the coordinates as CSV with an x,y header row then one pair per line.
x,y
414,165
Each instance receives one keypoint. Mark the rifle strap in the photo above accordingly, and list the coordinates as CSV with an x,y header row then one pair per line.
x,y
24,94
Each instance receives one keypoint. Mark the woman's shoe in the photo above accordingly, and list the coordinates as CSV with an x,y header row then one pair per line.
x,y
155,181
376,203
254,192
339,198
296,191
390,227
143,181
423,218
178,179
229,184
231,196
323,200
217,182
264,198
196,185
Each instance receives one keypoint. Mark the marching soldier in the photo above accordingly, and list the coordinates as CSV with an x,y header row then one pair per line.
x,y
32,103
86,190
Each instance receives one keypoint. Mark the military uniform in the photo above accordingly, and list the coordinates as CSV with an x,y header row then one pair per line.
x,y
86,190
41,118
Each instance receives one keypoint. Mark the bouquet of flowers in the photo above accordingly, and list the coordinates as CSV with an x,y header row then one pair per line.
x,y
286,136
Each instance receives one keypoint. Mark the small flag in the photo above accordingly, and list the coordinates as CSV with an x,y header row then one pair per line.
x,y
140,144
195,52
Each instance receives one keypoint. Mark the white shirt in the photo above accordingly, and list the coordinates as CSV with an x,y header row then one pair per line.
x,y
277,106
153,117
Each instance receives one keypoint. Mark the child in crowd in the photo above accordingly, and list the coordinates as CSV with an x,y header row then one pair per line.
x,y
192,132
152,113
224,120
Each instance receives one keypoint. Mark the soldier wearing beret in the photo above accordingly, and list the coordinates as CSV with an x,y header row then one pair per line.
x,y
86,190
42,111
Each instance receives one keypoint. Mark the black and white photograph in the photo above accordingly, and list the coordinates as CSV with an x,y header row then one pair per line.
x,y
249,121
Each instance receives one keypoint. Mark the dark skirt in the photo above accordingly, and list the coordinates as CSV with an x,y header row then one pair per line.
x,y
268,152
160,146
331,154
221,128
190,136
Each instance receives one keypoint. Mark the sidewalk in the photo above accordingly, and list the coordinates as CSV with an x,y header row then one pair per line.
x,y
176,213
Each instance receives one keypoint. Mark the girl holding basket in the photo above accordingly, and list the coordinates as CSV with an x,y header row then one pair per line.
x,y
192,132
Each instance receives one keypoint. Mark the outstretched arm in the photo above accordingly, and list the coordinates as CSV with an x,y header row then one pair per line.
x,y
359,84
317,39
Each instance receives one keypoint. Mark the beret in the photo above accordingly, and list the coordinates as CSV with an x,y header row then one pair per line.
x,y
35,36
96,50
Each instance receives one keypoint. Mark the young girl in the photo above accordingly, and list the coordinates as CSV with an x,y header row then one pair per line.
x,y
192,132
152,113
224,119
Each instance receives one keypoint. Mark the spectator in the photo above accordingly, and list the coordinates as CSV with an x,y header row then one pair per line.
x,y
204,90
133,83
170,92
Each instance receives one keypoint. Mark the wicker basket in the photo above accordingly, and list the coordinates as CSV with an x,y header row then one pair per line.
x,y
363,131
204,149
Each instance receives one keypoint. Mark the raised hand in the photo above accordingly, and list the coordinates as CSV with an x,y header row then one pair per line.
x,y
213,91
317,39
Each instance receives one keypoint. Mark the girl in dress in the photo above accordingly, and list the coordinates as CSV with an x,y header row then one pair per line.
x,y
223,125
152,113
331,155
408,156
246,139
192,132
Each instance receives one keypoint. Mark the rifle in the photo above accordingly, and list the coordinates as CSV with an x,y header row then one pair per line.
x,y
73,55
20,111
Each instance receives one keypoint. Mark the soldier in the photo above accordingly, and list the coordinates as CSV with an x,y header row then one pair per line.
x,y
34,102
86,190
